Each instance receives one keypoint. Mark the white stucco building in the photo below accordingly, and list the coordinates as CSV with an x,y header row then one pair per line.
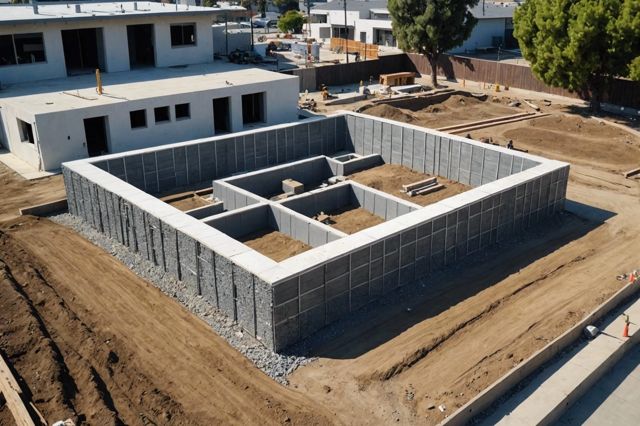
x,y
368,21
160,82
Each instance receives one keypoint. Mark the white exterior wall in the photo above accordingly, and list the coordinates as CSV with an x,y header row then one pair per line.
x,y
116,50
368,25
10,135
482,34
53,67
60,135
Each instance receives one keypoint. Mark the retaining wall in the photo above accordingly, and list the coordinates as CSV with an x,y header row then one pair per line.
x,y
280,303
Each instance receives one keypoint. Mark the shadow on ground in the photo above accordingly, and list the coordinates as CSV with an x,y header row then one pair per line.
x,y
398,311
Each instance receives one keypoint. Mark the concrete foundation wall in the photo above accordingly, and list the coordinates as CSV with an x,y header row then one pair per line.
x,y
346,282
164,169
283,302
428,151
349,193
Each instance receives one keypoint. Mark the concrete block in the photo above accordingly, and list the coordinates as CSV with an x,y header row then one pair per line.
x,y
407,254
359,276
285,311
225,286
312,320
312,298
264,312
391,261
336,268
407,147
390,281
312,279
386,142
245,302
286,333
336,286
359,296
285,291
337,307
443,169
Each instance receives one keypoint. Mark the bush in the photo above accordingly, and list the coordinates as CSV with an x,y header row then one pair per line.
x,y
291,22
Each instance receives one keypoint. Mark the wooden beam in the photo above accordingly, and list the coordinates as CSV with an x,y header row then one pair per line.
x,y
13,395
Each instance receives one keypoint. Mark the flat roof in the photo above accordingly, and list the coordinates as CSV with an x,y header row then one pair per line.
x,y
59,11
78,92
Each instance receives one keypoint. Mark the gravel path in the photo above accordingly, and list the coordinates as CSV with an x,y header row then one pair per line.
x,y
274,365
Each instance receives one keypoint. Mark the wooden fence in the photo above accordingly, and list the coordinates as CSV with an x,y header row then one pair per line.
x,y
353,72
367,51
621,92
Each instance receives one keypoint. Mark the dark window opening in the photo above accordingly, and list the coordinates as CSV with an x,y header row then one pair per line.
x,y
221,122
183,35
140,40
161,114
138,118
26,131
253,108
83,50
95,132
183,111
22,49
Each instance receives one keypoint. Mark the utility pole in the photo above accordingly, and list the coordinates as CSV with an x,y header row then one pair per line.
x,y
346,32
226,33
251,23
308,2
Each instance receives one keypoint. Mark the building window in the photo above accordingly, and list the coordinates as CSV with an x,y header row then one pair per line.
x,y
21,49
253,108
162,114
138,118
183,35
26,131
183,111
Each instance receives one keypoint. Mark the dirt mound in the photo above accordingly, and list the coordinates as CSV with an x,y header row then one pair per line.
x,y
579,139
390,112
461,101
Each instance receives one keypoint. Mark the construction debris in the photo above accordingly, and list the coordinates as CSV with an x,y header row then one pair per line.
x,y
531,105
632,172
290,186
422,187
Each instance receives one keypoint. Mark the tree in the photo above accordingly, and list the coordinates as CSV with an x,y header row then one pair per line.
x,y
285,5
579,45
292,21
431,27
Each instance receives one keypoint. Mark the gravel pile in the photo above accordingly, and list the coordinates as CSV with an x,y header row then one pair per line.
x,y
274,365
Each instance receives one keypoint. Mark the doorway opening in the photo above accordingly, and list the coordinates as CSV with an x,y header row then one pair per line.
x,y
221,118
95,132
83,50
141,51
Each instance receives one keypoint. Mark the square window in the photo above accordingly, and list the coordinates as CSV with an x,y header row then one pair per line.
x,y
138,118
183,111
26,131
253,108
162,114
29,48
7,53
183,35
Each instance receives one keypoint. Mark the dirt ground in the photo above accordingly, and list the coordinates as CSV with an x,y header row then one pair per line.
x,y
188,202
457,109
94,342
16,192
389,178
90,340
351,219
275,244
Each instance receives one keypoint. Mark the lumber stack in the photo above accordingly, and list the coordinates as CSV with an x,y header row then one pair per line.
x,y
422,187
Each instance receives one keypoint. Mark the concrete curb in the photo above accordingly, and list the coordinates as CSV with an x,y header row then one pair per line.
x,y
487,397
46,208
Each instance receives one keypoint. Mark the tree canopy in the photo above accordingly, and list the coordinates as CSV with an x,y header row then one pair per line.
x,y
431,27
580,44
285,5
292,21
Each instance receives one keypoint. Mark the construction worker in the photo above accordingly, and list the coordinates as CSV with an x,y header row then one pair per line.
x,y
510,144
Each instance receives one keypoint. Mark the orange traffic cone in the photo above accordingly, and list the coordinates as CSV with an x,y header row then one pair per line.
x,y
625,330
632,277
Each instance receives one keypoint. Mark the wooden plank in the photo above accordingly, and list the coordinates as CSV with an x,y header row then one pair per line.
x,y
632,172
420,184
12,394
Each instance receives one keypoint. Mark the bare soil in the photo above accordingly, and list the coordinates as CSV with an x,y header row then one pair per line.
x,y
274,244
189,203
91,341
16,192
457,109
389,178
571,138
351,219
